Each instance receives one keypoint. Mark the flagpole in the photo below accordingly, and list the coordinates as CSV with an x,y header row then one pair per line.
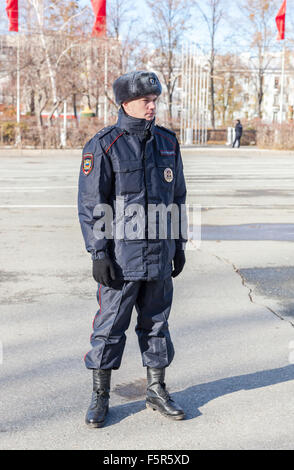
x,y
281,25
18,136
12,13
282,83
105,82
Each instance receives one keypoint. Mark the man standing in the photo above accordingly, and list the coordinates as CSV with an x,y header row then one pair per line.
x,y
138,164
238,133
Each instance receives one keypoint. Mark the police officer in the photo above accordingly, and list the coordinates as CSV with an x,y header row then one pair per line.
x,y
132,164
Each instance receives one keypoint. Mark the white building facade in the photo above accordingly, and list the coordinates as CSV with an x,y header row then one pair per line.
x,y
249,78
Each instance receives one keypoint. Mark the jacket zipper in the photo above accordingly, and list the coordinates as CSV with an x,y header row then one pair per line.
x,y
146,136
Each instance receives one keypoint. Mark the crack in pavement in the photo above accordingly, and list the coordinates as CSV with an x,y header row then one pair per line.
x,y
250,290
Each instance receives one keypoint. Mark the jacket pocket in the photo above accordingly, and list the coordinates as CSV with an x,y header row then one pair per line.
x,y
129,255
129,177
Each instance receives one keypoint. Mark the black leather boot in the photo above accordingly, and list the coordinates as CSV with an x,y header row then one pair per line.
x,y
98,408
157,396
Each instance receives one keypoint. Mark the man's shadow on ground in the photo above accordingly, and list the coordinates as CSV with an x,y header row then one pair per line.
x,y
194,397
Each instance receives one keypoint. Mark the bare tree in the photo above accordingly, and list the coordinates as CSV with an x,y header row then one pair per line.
x,y
212,14
260,32
170,22
121,27
46,17
101,65
227,87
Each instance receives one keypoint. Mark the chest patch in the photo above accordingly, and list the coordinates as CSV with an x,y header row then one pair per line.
x,y
168,175
168,152
87,163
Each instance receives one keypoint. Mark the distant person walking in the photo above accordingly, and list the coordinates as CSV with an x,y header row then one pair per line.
x,y
238,133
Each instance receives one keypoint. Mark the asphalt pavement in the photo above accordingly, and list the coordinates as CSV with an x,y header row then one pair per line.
x,y
231,321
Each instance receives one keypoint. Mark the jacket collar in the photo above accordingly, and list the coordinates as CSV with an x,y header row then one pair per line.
x,y
134,125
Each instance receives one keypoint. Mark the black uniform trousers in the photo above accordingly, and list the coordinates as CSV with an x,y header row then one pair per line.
x,y
152,300
237,141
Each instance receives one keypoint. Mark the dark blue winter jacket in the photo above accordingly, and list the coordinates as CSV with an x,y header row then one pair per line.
x,y
141,163
238,130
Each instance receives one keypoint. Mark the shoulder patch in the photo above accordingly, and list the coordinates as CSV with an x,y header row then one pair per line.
x,y
104,131
87,163
111,137
167,130
167,135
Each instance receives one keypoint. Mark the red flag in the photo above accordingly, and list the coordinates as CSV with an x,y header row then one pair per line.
x,y
12,13
281,20
99,8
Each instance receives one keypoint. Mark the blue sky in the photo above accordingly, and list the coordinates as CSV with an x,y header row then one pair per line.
x,y
226,41
229,28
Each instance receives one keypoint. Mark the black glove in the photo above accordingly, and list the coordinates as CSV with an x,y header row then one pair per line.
x,y
179,262
103,271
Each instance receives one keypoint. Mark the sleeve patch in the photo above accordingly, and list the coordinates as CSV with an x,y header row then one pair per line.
x,y
87,163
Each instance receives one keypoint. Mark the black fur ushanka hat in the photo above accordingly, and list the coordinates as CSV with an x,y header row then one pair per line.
x,y
134,85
